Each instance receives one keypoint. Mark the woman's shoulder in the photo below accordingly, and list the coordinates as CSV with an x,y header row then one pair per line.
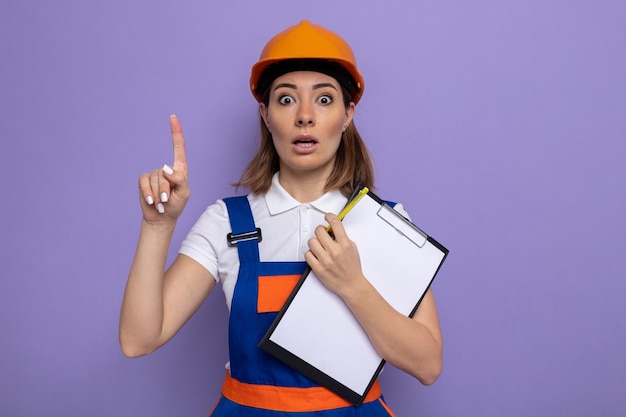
x,y
399,207
218,211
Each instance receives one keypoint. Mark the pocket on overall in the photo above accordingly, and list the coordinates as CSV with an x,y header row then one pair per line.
x,y
274,290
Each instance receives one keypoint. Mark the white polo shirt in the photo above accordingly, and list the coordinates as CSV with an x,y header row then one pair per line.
x,y
286,226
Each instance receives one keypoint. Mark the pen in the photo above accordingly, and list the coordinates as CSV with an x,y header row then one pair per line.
x,y
349,206
355,192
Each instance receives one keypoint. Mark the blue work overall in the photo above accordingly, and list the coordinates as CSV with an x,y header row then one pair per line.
x,y
258,384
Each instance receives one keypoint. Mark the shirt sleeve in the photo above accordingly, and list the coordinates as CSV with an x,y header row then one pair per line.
x,y
400,209
207,238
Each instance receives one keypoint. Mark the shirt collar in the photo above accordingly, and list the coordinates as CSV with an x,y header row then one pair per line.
x,y
278,200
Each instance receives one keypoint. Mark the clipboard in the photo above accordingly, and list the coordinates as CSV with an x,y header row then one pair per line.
x,y
316,333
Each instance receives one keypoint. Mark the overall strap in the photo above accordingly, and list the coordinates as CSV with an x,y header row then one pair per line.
x,y
245,235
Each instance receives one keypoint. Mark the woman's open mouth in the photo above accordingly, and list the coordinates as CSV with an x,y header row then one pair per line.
x,y
305,143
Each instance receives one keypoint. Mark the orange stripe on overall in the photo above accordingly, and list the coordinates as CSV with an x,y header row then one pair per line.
x,y
288,399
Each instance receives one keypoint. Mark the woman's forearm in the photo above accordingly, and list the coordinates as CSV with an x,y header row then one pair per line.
x,y
141,318
411,344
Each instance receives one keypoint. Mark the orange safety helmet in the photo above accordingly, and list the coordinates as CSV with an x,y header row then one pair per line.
x,y
307,41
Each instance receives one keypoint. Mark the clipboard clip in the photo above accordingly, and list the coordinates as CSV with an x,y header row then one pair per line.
x,y
402,225
233,239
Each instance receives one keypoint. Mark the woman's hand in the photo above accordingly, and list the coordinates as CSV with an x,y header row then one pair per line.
x,y
335,261
164,192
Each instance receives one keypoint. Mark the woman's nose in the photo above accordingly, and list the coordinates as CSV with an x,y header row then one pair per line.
x,y
305,116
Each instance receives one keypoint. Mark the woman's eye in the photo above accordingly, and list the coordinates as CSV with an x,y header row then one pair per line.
x,y
285,100
325,99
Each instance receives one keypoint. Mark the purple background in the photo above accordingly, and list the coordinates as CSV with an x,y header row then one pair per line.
x,y
499,124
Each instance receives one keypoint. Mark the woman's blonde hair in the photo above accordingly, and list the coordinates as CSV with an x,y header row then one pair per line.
x,y
353,165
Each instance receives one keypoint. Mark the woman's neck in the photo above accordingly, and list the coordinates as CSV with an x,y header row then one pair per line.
x,y
304,188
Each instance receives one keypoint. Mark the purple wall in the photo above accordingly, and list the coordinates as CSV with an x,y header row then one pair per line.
x,y
499,124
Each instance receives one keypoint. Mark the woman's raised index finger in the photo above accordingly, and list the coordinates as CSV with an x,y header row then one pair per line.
x,y
180,155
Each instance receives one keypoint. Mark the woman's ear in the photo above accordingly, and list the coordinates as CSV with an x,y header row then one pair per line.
x,y
349,115
263,112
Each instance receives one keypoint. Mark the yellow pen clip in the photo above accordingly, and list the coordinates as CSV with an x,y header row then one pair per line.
x,y
350,205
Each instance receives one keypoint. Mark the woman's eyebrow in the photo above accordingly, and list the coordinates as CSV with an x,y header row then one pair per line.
x,y
323,85
286,85
315,87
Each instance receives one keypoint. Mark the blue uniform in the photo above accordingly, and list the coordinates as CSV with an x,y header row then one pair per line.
x,y
258,384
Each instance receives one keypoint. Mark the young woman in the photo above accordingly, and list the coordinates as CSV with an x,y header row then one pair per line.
x,y
310,159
